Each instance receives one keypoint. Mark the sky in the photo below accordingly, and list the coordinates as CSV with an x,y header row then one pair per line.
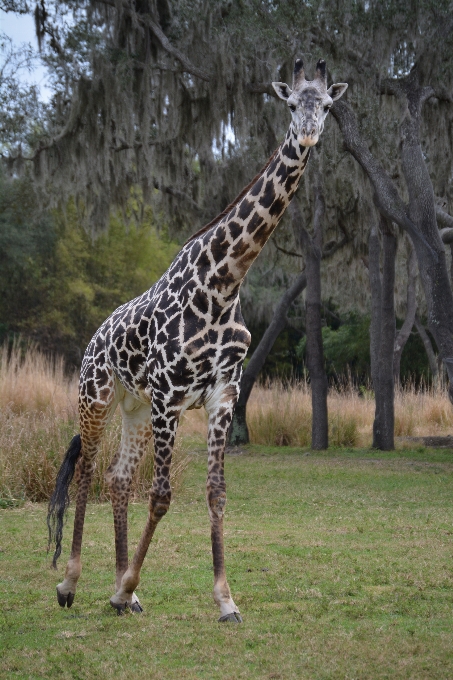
x,y
21,28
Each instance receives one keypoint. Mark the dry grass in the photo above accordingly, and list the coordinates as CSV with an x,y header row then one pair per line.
x,y
31,382
38,417
280,415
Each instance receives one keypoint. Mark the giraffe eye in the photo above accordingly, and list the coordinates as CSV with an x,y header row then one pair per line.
x,y
292,107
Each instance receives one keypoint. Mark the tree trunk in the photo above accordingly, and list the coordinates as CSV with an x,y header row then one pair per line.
x,y
315,355
419,221
374,273
239,434
451,264
428,348
411,308
382,334
422,212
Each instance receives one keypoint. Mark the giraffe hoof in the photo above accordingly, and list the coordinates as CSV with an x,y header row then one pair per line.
x,y
120,608
235,617
65,600
136,607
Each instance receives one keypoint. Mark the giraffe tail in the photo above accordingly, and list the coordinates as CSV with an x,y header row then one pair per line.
x,y
59,501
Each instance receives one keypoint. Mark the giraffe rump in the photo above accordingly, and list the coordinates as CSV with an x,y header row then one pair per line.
x,y
59,501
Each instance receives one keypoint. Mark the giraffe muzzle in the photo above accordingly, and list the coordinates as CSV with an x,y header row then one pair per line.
x,y
308,135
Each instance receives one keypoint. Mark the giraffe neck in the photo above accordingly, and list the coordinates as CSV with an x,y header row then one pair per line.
x,y
230,247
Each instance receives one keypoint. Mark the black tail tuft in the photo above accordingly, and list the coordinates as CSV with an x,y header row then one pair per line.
x,y
59,502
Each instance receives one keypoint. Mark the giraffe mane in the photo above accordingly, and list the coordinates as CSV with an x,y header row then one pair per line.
x,y
233,203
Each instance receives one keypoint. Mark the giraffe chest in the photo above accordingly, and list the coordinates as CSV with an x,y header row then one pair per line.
x,y
188,366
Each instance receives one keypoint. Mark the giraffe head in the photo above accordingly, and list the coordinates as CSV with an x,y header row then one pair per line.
x,y
309,101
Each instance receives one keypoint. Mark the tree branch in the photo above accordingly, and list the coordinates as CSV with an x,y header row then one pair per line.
x,y
156,30
177,54
386,195
181,195
444,218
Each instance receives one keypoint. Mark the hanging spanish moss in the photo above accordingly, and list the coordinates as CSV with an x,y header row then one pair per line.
x,y
174,98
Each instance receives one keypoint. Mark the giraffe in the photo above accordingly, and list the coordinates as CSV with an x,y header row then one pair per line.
x,y
181,346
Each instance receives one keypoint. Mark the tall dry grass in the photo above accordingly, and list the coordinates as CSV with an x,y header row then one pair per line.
x,y
280,415
38,418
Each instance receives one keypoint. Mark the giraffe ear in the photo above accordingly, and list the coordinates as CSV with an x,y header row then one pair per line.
x,y
282,90
336,91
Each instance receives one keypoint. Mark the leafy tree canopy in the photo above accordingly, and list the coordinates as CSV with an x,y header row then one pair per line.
x,y
56,284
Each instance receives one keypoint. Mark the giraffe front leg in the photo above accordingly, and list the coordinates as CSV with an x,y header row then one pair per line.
x,y
119,494
219,421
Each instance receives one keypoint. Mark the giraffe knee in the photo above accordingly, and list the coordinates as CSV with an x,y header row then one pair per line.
x,y
159,504
217,503
117,483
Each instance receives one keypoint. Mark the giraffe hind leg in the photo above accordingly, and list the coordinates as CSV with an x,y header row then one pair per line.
x,y
135,437
165,422
94,417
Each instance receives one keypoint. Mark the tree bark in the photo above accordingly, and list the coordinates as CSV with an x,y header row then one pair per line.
x,y
384,420
315,356
422,212
418,220
428,348
451,264
374,273
239,434
411,308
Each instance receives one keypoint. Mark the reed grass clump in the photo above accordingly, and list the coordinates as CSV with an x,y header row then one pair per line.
x,y
343,431
280,415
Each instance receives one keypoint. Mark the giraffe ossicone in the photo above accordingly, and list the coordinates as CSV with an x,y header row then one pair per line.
x,y
179,346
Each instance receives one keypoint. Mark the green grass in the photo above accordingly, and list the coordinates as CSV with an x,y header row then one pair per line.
x,y
341,564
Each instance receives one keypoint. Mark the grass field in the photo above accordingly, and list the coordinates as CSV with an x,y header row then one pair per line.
x,y
341,564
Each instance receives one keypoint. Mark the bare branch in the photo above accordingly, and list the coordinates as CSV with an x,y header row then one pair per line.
x,y
168,47
446,235
262,88
444,219
386,196
181,195
291,253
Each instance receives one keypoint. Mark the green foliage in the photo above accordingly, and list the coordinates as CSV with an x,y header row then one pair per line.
x,y
348,347
56,284
347,351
